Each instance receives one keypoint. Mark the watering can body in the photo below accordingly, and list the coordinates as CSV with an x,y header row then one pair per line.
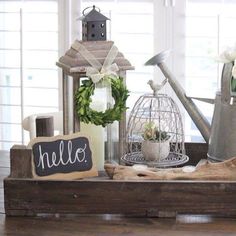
x,y
222,142
221,134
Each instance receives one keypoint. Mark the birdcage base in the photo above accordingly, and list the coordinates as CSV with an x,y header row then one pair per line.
x,y
173,159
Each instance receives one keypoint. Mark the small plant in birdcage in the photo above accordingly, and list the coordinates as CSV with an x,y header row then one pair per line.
x,y
156,145
152,133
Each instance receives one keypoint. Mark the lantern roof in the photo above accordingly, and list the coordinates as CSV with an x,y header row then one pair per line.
x,y
73,61
93,15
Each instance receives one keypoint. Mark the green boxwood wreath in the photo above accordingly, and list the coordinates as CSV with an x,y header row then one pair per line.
x,y
83,100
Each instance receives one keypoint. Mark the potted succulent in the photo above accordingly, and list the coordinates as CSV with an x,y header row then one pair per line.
x,y
156,145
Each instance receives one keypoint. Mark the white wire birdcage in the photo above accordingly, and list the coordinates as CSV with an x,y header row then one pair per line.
x,y
162,111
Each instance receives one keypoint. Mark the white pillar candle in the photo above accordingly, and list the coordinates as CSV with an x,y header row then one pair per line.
x,y
96,134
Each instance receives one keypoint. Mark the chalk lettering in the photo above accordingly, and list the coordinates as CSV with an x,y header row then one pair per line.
x,y
64,158
79,151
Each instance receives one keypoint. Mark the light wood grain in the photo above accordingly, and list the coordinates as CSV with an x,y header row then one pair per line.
x,y
206,171
97,53
20,157
81,62
74,62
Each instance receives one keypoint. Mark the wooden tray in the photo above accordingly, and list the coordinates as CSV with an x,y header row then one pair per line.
x,y
100,195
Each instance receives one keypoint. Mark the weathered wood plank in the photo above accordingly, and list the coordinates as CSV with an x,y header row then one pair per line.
x,y
20,161
97,53
122,125
82,69
183,225
141,198
65,101
116,225
74,62
76,119
94,45
44,126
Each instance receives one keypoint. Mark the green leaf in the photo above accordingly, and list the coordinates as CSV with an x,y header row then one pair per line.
x,y
83,100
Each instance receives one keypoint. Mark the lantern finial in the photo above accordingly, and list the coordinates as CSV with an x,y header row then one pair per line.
x,y
93,25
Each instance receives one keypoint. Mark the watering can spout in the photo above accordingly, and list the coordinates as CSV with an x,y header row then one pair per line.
x,y
198,118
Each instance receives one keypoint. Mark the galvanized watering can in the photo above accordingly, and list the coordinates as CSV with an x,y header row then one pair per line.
x,y
221,134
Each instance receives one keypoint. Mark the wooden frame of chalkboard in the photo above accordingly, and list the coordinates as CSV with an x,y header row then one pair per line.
x,y
64,157
25,196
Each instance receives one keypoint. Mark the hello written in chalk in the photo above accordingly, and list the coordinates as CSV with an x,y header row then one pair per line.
x,y
62,156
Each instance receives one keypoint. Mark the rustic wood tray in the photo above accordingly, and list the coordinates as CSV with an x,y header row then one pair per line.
x,y
100,195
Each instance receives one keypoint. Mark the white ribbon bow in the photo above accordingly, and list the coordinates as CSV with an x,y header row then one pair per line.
x,y
97,71
97,75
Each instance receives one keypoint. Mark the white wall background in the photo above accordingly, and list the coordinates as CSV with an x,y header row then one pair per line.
x,y
195,30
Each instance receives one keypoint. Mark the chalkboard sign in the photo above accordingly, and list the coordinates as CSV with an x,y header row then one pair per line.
x,y
62,157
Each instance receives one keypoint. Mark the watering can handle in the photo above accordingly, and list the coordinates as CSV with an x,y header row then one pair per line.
x,y
226,93
207,100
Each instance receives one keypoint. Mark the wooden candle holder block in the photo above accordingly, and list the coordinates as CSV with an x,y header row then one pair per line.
x,y
20,162
44,126
100,195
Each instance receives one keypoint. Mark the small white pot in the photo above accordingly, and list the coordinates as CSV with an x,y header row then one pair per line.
x,y
155,151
